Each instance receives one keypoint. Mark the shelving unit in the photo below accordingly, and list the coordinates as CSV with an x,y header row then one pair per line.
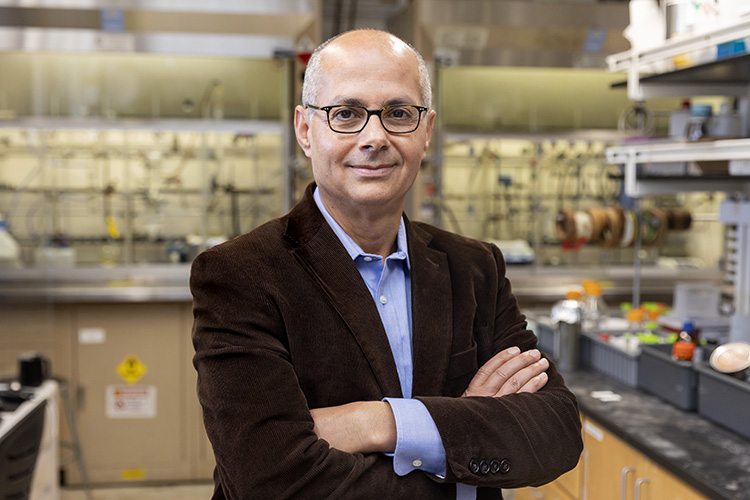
x,y
651,74
632,155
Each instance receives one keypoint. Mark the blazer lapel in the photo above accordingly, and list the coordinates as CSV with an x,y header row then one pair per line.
x,y
432,317
319,250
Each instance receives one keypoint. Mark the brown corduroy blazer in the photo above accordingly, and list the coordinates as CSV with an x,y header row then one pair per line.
x,y
284,323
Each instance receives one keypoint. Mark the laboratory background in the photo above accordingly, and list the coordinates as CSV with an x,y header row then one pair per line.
x,y
603,146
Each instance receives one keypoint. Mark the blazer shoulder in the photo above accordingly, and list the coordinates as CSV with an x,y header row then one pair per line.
x,y
261,243
452,243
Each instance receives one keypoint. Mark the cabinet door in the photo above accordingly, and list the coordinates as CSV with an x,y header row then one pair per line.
x,y
202,456
132,428
570,482
661,484
549,491
610,466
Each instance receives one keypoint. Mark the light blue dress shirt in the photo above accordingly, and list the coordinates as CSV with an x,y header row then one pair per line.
x,y
418,443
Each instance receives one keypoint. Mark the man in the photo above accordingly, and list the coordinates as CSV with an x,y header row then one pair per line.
x,y
338,347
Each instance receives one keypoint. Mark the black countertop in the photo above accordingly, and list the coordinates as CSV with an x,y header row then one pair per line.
x,y
711,459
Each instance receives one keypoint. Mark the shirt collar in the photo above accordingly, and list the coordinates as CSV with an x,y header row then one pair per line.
x,y
354,250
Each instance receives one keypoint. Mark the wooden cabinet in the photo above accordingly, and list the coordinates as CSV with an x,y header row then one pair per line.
x,y
163,438
131,369
551,491
566,487
610,470
614,470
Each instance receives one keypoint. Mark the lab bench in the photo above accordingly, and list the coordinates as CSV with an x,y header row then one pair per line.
x,y
711,460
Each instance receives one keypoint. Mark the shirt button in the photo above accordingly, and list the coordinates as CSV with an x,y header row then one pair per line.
x,y
368,259
417,463
383,299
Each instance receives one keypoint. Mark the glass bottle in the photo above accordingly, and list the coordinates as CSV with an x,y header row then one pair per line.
x,y
595,308
698,125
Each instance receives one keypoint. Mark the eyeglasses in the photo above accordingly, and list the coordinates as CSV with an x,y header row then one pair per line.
x,y
351,119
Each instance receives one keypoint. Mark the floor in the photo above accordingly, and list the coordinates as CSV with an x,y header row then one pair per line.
x,y
201,491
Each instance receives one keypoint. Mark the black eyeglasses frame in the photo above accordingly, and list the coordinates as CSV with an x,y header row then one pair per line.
x,y
370,112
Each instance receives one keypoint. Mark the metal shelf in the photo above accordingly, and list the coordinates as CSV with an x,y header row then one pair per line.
x,y
147,125
726,76
672,152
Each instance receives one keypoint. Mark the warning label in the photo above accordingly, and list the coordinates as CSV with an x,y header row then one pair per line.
x,y
131,369
131,401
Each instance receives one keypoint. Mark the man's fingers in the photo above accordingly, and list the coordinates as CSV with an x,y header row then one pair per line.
x,y
529,379
509,374
490,367
535,383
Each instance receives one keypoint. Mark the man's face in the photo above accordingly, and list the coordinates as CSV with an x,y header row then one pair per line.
x,y
373,169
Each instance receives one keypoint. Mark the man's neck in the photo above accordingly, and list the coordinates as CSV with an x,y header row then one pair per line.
x,y
374,232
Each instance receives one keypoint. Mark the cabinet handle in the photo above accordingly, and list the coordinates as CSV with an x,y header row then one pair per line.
x,y
623,481
536,493
638,483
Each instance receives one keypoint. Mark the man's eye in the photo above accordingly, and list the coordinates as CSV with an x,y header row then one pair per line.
x,y
344,114
399,113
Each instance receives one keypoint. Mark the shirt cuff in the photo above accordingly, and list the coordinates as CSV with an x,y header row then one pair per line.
x,y
418,443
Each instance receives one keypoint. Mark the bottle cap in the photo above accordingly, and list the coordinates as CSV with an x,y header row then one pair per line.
x,y
592,288
688,327
701,110
573,295
683,350
635,315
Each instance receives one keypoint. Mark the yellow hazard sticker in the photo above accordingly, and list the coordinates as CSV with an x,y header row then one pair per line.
x,y
131,369
133,474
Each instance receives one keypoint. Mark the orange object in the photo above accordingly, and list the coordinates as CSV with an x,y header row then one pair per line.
x,y
573,295
683,350
592,288
635,315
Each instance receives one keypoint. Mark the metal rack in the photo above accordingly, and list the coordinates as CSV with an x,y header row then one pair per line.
x,y
721,77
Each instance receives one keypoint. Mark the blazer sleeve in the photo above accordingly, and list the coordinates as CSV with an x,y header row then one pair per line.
x,y
255,413
516,440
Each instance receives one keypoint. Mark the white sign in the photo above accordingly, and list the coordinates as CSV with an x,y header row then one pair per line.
x,y
131,401
92,336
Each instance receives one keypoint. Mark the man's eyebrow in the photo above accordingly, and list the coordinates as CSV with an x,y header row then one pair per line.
x,y
353,101
349,101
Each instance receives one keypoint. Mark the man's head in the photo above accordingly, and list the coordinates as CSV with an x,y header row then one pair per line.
x,y
312,82
370,170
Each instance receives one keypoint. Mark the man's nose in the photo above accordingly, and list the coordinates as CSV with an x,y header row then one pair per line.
x,y
374,136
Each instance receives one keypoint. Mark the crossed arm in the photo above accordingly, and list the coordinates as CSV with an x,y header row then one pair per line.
x,y
369,426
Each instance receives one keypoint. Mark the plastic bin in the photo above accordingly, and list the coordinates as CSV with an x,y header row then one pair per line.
x,y
609,360
545,334
724,399
673,381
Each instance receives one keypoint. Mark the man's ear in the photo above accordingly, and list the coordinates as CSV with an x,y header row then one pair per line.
x,y
429,126
302,129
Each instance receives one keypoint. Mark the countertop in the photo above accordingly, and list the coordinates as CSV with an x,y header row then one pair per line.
x,y
711,459
532,285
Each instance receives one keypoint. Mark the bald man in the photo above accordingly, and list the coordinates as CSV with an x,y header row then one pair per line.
x,y
344,351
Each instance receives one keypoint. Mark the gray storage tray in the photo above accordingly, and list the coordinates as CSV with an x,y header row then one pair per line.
x,y
608,359
724,400
545,334
674,381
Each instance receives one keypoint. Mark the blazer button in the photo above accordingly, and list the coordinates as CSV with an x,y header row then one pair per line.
x,y
474,466
484,467
495,466
504,466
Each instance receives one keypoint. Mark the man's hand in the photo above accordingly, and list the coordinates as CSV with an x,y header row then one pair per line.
x,y
359,427
508,372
